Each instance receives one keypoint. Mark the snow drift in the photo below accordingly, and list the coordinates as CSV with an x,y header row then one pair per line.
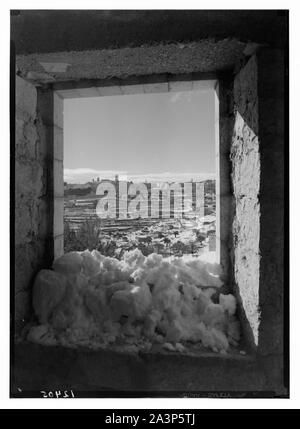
x,y
92,300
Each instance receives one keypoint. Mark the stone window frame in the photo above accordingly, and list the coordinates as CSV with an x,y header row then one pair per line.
x,y
258,90
50,99
62,91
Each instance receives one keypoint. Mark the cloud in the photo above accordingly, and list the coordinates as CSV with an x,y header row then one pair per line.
x,y
171,177
84,175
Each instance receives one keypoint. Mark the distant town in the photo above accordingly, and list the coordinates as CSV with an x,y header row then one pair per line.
x,y
191,231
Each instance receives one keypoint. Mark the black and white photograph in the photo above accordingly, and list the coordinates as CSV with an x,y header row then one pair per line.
x,y
149,204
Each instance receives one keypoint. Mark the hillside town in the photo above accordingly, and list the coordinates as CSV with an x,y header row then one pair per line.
x,y
191,232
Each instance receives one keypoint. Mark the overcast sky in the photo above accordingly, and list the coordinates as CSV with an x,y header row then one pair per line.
x,y
146,136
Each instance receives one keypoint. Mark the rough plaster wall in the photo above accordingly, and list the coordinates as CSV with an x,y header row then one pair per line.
x,y
31,207
204,56
246,187
258,151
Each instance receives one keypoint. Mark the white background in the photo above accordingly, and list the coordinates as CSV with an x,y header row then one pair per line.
x,y
294,401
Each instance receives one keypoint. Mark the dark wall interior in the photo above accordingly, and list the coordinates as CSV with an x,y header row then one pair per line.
x,y
36,31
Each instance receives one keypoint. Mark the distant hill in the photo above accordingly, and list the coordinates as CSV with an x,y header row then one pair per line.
x,y
89,189
77,189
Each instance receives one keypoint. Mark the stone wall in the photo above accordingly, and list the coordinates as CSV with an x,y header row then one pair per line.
x,y
224,195
245,158
33,227
58,175
273,150
257,155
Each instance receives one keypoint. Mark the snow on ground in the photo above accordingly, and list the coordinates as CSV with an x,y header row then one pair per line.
x,y
137,302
